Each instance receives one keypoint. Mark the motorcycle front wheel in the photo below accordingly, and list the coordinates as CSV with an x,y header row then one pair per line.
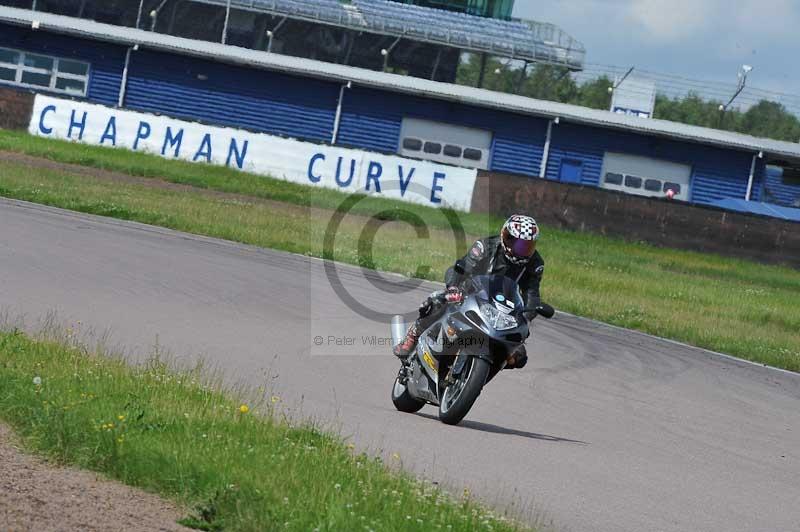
x,y
402,399
459,397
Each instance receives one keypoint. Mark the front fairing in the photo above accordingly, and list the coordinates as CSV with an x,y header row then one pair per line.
x,y
503,294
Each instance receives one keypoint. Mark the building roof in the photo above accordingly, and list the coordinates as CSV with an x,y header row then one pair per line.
x,y
402,84
518,39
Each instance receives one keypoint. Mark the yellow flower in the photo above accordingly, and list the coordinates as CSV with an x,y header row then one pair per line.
x,y
121,417
275,399
396,456
244,409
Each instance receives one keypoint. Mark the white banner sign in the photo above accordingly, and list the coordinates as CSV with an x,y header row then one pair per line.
x,y
348,170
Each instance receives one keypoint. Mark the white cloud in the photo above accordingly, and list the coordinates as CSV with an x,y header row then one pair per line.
x,y
671,20
700,39
772,19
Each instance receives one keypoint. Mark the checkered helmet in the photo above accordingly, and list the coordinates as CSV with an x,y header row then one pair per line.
x,y
519,236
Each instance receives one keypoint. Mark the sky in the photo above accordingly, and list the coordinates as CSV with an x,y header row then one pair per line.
x,y
699,39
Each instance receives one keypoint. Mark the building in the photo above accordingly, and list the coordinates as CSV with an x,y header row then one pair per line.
x,y
500,9
425,39
336,104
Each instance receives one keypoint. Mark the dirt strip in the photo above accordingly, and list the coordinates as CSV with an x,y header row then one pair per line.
x,y
119,177
35,495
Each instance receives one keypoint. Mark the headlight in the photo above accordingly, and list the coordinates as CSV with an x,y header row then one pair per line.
x,y
497,319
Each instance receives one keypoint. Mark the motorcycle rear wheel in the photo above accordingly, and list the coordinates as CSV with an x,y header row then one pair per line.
x,y
402,399
458,398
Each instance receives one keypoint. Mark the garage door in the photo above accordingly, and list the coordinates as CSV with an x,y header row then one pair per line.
x,y
645,176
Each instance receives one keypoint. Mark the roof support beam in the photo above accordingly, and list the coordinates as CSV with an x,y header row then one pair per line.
x,y
546,151
123,86
225,25
436,63
482,72
750,180
338,120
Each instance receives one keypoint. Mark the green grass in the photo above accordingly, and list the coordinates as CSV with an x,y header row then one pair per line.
x,y
180,435
733,306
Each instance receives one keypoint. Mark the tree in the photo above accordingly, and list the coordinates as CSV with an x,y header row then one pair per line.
x,y
547,82
770,119
595,94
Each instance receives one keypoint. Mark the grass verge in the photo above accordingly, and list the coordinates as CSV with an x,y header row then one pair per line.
x,y
734,306
235,464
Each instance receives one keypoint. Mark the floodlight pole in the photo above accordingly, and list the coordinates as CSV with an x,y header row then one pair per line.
x,y
154,14
628,73
227,18
739,88
271,33
617,85
522,74
386,52
33,5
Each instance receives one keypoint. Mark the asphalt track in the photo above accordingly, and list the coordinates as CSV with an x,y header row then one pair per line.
x,y
605,430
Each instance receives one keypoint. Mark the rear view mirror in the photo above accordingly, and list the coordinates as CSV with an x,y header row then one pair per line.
x,y
546,311
460,267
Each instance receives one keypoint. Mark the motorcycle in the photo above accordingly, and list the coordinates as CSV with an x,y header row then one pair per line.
x,y
465,349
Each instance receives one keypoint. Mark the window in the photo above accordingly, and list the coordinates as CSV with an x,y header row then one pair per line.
x,y
38,61
472,154
412,144
653,185
9,56
42,71
445,143
433,148
646,176
66,66
633,181
7,74
790,177
452,151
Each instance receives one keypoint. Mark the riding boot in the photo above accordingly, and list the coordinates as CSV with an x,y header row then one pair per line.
x,y
407,346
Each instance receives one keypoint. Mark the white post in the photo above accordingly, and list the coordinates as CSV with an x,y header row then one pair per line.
x,y
546,152
338,119
124,83
138,15
225,26
752,177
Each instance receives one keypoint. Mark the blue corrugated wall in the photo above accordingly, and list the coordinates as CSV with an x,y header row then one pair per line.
x,y
107,60
305,108
716,173
230,95
371,119
776,191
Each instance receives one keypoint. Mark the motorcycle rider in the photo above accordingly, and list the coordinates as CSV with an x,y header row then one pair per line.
x,y
512,254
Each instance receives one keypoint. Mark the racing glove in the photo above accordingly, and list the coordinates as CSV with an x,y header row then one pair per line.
x,y
454,295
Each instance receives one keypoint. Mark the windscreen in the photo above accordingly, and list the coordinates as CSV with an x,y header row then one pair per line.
x,y
496,288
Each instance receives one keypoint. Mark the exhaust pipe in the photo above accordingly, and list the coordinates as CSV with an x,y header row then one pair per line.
x,y
398,329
